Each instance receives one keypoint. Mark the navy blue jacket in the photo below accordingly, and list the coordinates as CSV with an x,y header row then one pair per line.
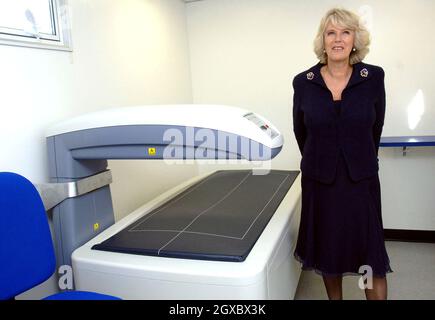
x,y
321,133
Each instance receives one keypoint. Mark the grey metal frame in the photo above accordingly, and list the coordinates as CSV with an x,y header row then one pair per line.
x,y
54,193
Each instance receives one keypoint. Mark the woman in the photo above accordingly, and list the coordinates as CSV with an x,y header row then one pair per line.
x,y
338,115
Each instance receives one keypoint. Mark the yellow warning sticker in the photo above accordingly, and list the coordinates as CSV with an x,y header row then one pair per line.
x,y
152,151
96,226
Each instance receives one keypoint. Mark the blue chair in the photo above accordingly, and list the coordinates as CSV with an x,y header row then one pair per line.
x,y
26,249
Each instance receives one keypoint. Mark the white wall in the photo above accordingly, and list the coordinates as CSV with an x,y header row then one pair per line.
x,y
129,52
246,53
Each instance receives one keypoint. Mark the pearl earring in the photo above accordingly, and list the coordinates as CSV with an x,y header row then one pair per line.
x,y
353,49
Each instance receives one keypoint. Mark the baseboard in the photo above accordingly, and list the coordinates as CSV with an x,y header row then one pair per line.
x,y
409,235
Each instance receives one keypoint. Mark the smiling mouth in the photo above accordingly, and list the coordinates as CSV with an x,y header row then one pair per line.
x,y
337,48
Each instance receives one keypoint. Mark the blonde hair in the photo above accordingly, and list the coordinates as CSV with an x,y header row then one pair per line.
x,y
345,19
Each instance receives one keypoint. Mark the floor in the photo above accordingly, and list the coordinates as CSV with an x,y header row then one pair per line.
x,y
413,277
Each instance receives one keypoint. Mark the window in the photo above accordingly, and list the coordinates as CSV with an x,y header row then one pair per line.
x,y
35,23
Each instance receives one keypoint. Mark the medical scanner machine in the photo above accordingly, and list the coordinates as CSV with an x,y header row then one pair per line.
x,y
229,234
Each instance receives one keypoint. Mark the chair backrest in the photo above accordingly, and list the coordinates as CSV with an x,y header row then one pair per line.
x,y
26,248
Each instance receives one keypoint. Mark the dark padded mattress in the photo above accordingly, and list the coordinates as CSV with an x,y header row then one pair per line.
x,y
218,218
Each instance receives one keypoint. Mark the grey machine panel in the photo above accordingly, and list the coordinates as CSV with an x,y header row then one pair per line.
x,y
218,218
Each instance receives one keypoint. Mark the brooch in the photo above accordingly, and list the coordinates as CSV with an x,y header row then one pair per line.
x,y
310,76
364,73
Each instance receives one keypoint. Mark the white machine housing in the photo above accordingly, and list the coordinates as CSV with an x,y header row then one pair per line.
x,y
269,272
78,150
214,117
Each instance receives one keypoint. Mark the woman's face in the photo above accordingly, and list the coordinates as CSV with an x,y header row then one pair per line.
x,y
338,42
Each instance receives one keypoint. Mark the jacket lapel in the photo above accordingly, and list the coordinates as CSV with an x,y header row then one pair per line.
x,y
359,74
314,76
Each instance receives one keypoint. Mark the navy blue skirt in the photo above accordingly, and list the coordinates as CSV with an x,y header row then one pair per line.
x,y
341,226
